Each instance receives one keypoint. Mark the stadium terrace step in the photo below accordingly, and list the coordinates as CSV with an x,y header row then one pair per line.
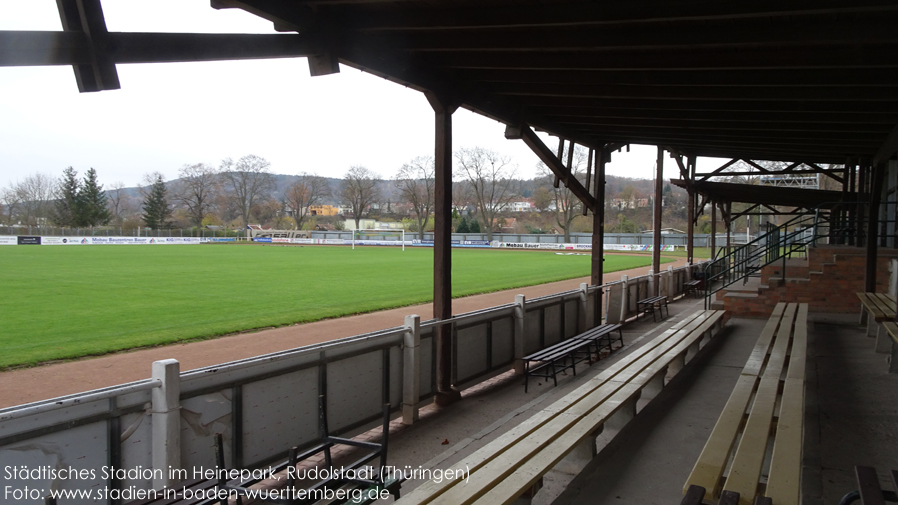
x,y
827,280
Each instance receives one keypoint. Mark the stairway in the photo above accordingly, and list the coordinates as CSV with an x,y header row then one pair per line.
x,y
827,280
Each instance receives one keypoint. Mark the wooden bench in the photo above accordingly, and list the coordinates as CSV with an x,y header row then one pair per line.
x,y
694,287
868,490
601,334
890,329
555,359
566,354
650,304
695,496
880,308
766,408
564,433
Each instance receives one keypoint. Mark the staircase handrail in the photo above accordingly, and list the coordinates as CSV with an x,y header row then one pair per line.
x,y
783,246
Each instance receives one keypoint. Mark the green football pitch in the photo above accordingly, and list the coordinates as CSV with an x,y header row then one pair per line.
x,y
65,302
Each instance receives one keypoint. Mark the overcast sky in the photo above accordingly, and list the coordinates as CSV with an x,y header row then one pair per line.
x,y
168,115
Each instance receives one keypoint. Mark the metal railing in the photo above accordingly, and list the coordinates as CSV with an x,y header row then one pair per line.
x,y
842,223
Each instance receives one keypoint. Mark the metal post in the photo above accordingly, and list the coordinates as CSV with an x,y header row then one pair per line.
x,y
598,232
519,314
411,369
166,409
873,229
690,213
656,222
852,196
713,228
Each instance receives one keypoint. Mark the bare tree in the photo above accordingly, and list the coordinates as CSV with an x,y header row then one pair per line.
x,y
36,194
247,181
9,203
415,183
307,191
567,206
491,177
114,200
196,190
359,191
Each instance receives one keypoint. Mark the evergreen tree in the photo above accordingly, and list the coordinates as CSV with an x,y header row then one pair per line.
x,y
92,202
463,227
68,206
474,227
155,206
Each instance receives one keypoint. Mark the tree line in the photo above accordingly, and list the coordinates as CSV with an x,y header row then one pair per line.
x,y
239,192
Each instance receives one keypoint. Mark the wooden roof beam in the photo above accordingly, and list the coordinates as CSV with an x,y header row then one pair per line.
x,y
787,119
728,107
85,17
680,77
888,149
802,130
73,48
653,138
708,92
870,29
605,14
291,16
542,151
833,57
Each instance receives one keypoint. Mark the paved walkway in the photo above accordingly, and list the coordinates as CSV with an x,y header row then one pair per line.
x,y
60,379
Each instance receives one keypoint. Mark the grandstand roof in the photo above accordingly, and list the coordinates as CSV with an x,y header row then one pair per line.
x,y
811,80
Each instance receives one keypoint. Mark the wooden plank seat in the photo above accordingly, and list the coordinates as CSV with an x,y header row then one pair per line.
x,y
566,354
564,433
879,305
890,329
880,308
602,337
555,359
695,495
868,490
694,287
651,304
765,414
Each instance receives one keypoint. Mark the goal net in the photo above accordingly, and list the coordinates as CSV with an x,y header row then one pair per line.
x,y
378,237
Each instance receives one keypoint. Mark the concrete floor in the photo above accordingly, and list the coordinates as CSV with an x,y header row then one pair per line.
x,y
851,418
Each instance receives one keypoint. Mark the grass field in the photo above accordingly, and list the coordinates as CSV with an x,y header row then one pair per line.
x,y
66,302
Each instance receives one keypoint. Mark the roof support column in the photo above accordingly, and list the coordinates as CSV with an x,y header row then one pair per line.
x,y
853,208
861,196
690,210
713,228
598,223
656,221
878,177
597,272
728,222
443,108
